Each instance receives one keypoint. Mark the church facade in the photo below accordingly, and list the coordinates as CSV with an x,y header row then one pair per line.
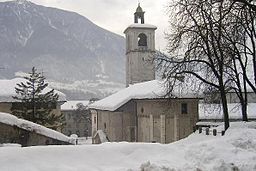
x,y
140,112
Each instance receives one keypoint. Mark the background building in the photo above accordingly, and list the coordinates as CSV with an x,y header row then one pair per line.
x,y
77,118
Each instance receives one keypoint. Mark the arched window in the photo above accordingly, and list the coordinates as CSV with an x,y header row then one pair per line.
x,y
142,39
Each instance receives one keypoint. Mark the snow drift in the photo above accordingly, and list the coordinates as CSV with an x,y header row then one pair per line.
x,y
234,151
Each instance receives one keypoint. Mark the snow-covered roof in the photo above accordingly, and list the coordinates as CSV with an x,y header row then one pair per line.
x,y
214,111
72,105
30,126
7,90
141,26
154,89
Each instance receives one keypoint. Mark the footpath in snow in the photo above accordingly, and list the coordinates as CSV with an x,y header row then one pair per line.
x,y
232,152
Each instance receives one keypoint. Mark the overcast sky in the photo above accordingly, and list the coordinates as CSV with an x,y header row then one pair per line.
x,y
116,15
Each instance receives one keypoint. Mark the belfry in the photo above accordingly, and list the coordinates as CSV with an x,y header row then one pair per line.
x,y
140,48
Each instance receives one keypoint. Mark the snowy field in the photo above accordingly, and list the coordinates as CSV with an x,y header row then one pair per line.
x,y
232,152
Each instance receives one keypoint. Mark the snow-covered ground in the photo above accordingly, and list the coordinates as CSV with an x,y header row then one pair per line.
x,y
232,152
84,140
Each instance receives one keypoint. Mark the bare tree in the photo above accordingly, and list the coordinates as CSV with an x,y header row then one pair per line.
x,y
213,41
198,46
249,3
245,14
242,39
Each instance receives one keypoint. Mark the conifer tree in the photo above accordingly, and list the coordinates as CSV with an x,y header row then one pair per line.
x,y
34,104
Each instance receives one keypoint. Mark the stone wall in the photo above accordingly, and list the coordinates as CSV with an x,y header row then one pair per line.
x,y
94,122
158,120
117,125
13,134
162,120
5,107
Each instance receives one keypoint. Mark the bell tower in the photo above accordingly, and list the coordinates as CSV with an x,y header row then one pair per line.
x,y
139,14
140,48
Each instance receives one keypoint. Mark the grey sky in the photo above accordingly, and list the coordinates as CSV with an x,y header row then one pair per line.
x,y
116,15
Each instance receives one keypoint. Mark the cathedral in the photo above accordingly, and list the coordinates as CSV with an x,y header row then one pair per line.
x,y
141,112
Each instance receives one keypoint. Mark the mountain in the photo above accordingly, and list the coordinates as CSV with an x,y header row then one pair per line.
x,y
68,48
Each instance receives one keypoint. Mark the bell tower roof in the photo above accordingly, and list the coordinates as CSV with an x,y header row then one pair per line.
x,y
139,14
140,26
139,9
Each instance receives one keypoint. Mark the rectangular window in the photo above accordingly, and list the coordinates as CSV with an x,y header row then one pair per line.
x,y
184,108
94,119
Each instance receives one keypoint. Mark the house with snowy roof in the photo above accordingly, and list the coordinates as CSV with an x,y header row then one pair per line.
x,y
7,92
141,112
26,133
75,113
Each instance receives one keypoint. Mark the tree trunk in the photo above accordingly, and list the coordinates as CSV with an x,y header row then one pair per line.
x,y
244,103
244,112
225,109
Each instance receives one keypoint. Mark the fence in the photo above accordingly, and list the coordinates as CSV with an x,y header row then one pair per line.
x,y
209,131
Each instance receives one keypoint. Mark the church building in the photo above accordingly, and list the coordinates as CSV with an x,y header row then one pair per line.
x,y
141,112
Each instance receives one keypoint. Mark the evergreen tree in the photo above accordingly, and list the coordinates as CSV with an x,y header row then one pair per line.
x,y
34,104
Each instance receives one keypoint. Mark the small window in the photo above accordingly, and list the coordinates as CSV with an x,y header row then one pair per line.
x,y
184,108
105,125
142,110
94,119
